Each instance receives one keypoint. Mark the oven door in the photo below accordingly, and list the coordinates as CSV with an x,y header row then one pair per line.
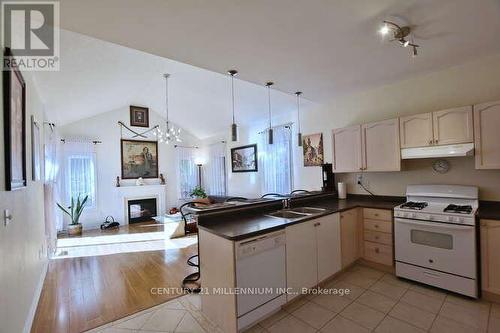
x,y
444,247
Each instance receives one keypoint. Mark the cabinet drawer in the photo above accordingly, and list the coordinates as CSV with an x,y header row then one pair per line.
x,y
379,253
378,237
377,214
375,225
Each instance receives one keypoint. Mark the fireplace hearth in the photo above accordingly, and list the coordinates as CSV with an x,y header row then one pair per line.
x,y
140,210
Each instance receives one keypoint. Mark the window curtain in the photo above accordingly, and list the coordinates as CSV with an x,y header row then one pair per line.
x,y
276,161
186,171
80,178
216,170
51,187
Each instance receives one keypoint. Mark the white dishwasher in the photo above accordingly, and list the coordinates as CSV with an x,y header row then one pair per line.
x,y
260,277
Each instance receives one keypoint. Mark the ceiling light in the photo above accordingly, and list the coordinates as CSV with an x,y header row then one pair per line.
x,y
384,30
270,132
234,127
169,133
299,135
402,34
404,42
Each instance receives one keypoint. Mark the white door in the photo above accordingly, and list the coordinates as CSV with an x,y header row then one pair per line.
x,y
301,257
381,149
453,126
328,239
487,135
444,247
416,130
347,149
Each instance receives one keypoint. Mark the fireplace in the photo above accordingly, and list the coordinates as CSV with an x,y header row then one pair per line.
x,y
140,210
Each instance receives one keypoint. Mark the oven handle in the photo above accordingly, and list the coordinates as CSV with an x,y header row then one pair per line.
x,y
435,224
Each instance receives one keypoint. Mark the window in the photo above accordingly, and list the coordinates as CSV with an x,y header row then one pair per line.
x,y
187,171
81,178
216,170
276,161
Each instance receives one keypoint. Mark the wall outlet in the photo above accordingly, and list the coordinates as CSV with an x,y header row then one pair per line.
x,y
359,178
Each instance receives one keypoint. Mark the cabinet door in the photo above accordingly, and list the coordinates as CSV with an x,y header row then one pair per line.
x,y
301,256
490,248
328,240
381,149
487,135
416,130
349,234
453,126
347,149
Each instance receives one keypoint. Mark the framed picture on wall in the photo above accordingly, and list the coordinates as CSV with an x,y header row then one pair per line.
x,y
36,152
139,159
139,116
244,158
312,146
14,100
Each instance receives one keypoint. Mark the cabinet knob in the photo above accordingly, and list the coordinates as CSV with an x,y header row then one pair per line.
x,y
430,142
436,141
376,226
376,214
377,237
377,250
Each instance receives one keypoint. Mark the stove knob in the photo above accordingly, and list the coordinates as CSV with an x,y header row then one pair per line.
x,y
431,217
413,215
448,218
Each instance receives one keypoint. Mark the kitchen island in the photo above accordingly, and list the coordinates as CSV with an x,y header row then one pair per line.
x,y
276,253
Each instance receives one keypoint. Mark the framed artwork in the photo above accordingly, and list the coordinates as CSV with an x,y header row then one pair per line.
x,y
139,159
14,100
244,158
139,116
312,146
36,152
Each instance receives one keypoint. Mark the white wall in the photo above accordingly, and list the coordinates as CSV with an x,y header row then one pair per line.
x,y
468,84
22,243
104,127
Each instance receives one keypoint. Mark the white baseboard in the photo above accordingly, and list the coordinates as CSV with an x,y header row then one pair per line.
x,y
34,304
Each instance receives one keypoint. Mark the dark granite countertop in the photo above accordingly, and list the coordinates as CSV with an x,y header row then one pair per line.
x,y
489,210
244,224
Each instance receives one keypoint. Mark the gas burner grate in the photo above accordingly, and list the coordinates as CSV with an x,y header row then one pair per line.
x,y
465,209
414,205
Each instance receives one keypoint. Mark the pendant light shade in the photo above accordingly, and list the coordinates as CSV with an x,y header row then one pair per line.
x,y
270,139
234,127
169,133
299,133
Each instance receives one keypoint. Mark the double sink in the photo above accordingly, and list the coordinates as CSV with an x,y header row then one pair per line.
x,y
296,213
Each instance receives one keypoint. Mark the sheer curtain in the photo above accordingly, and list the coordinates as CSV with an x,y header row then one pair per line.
x,y
216,170
186,171
51,187
276,161
80,178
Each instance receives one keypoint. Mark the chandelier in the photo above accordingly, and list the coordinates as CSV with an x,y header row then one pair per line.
x,y
169,133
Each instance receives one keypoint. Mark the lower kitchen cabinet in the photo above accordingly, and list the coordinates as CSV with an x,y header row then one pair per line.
x,y
377,234
349,231
312,252
490,262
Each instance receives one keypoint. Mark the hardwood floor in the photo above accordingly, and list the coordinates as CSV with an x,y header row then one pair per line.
x,y
82,293
148,226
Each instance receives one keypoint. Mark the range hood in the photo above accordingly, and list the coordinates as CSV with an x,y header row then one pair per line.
x,y
465,149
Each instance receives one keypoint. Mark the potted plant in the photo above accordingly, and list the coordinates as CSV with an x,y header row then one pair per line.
x,y
74,212
198,192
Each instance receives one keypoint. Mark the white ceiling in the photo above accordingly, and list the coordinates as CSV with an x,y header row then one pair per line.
x,y
323,47
98,76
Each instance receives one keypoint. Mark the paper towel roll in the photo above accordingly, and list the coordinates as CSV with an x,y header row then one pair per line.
x,y
342,190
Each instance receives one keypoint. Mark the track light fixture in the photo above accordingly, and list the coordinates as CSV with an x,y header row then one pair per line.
x,y
400,34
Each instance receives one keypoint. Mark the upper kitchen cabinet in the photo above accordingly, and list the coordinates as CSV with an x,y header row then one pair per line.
x,y
453,126
380,142
347,149
416,130
487,135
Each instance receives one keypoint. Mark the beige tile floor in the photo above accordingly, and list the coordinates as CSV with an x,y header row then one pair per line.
x,y
378,302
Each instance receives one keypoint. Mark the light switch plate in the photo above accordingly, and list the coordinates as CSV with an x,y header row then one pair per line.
x,y
7,217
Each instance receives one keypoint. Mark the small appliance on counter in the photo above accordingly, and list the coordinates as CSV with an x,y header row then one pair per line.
x,y
328,178
435,237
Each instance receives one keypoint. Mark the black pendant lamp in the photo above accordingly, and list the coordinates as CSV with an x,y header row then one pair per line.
x,y
234,127
270,133
299,134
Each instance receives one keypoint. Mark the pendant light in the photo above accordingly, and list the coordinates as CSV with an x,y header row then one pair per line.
x,y
234,127
299,134
169,133
270,133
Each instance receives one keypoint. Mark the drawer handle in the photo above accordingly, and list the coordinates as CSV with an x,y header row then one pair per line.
x,y
376,214
377,237
376,226
377,250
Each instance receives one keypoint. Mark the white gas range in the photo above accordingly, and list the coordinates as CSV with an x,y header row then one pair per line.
x,y
435,237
